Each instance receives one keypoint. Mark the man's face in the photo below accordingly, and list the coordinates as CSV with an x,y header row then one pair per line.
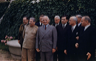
x,y
64,20
71,21
78,19
56,20
25,21
31,22
83,22
45,21
41,19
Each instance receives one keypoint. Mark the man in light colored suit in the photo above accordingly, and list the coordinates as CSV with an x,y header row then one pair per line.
x,y
46,40
28,49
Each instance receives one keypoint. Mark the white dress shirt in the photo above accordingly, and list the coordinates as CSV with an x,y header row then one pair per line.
x,y
86,27
73,27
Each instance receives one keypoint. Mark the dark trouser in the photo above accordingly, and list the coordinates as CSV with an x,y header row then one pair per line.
x,y
61,55
84,58
72,57
37,56
21,45
55,56
46,56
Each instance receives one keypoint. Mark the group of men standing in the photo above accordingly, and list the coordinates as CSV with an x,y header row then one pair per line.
x,y
71,39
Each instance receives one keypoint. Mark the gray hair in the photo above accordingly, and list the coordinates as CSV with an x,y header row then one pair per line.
x,y
74,18
32,18
57,16
45,16
87,18
79,16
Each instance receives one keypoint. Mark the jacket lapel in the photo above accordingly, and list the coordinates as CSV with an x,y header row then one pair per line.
x,y
44,32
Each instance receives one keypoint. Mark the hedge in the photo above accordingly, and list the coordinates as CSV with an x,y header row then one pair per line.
x,y
3,7
13,17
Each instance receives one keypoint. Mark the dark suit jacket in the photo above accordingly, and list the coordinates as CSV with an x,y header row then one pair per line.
x,y
62,36
57,25
38,24
20,37
71,40
87,41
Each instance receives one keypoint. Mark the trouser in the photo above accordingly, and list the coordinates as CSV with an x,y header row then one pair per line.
x,y
28,54
84,58
46,56
55,56
61,55
71,57
37,56
21,46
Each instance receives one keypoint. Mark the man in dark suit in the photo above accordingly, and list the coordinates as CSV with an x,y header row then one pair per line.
x,y
39,24
56,20
71,39
40,21
56,23
62,37
46,40
21,29
86,41
79,20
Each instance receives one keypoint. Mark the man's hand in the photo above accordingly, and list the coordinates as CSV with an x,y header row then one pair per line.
x,y
19,41
65,51
77,37
76,45
53,50
37,50
89,55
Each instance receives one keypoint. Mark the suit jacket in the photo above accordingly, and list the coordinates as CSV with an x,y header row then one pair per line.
x,y
20,37
62,36
38,24
57,25
30,37
71,40
87,41
46,39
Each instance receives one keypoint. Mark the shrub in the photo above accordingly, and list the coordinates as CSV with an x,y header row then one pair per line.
x,y
13,17
3,7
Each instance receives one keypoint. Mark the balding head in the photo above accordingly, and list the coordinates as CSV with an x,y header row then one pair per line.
x,y
46,20
73,20
78,18
85,20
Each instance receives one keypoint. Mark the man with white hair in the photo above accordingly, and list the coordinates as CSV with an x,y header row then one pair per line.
x,y
56,20
86,41
46,40
71,39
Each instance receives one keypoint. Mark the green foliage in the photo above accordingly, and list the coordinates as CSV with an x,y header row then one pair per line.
x,y
4,47
13,17
3,7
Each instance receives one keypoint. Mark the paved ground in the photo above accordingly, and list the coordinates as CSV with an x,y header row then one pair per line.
x,y
5,56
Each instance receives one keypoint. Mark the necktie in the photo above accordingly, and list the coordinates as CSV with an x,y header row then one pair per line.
x,y
63,26
45,27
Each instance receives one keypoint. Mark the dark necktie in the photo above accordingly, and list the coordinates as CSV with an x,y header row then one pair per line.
x,y
45,27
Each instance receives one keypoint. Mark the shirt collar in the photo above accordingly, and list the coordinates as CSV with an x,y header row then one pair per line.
x,y
46,25
40,23
86,27
79,24
64,24
74,26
